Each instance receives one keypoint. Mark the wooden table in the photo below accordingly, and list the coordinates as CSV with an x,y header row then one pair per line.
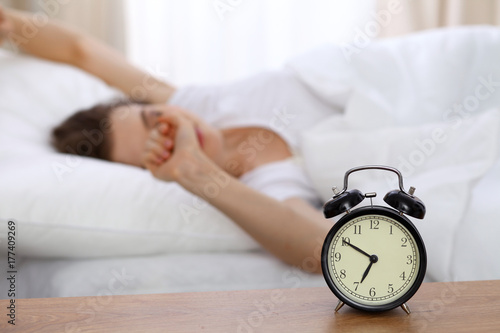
x,y
436,307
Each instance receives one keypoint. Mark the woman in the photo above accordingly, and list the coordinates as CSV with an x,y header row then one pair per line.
x,y
177,145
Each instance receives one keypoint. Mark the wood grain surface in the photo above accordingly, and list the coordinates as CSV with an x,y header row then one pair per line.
x,y
436,307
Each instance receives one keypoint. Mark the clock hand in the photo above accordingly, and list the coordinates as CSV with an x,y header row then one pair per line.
x,y
373,259
356,248
366,271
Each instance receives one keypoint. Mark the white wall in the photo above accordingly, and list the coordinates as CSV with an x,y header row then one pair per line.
x,y
207,41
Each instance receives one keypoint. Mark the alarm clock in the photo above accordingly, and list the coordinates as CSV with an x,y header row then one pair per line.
x,y
373,258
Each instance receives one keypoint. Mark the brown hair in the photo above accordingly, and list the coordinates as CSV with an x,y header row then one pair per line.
x,y
87,132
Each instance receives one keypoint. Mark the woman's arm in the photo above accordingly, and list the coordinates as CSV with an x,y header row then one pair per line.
x,y
5,25
292,230
58,42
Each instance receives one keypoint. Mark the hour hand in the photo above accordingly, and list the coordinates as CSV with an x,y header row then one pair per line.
x,y
373,259
366,271
356,248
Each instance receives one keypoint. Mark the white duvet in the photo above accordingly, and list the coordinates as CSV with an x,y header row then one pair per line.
x,y
427,105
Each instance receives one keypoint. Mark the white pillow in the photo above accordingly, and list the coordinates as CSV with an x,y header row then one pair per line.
x,y
68,206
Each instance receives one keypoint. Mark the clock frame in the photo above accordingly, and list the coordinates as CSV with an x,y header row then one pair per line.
x,y
402,203
347,295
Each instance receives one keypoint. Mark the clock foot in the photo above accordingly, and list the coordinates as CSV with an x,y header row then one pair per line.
x,y
406,308
339,305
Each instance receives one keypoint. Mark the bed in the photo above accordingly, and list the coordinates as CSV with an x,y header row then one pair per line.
x,y
109,240
87,227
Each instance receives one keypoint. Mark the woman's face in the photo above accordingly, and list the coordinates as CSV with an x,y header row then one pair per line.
x,y
131,125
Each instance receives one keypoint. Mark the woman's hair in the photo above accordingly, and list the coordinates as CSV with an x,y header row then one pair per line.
x,y
87,132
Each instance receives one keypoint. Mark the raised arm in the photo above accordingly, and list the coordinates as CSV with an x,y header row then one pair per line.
x,y
58,42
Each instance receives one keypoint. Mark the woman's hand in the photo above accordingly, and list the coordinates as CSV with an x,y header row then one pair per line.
x,y
172,149
5,25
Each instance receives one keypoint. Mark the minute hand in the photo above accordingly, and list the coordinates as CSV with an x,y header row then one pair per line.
x,y
356,248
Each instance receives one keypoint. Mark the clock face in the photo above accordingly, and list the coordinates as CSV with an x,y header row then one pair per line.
x,y
374,259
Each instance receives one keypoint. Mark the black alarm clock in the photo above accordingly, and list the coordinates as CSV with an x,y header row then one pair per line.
x,y
373,258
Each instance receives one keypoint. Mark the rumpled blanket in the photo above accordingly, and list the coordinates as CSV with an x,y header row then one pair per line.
x,y
426,104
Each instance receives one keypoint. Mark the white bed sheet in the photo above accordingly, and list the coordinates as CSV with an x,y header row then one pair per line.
x,y
40,278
